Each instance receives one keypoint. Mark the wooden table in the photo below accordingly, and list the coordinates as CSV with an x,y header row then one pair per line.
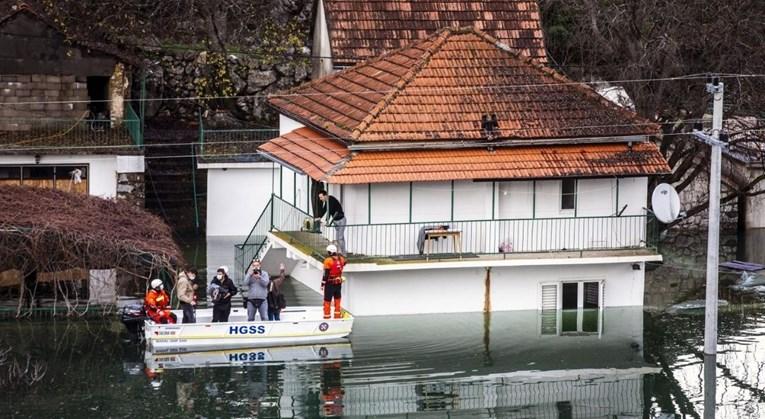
x,y
456,236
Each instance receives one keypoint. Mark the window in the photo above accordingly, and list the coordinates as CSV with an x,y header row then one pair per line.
x,y
571,308
568,194
10,175
70,178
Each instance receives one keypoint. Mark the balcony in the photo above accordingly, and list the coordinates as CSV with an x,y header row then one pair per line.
x,y
232,145
496,239
26,134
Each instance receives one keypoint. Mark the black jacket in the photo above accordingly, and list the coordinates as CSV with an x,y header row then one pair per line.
x,y
228,284
335,209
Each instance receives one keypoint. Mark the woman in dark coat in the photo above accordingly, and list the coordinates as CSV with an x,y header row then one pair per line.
x,y
275,298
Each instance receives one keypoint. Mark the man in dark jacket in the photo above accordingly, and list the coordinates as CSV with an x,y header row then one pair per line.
x,y
335,216
221,290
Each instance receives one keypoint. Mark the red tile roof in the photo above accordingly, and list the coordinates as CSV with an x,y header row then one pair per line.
x,y
306,150
362,29
438,89
327,160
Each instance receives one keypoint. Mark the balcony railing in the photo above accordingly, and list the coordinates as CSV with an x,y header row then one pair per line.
x,y
32,132
476,237
230,142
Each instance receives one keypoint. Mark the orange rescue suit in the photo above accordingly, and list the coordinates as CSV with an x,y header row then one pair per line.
x,y
156,304
332,283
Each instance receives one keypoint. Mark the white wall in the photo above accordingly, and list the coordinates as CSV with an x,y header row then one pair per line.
x,y
287,185
595,197
462,290
356,203
287,124
236,197
431,201
515,199
633,192
390,203
548,200
472,200
102,176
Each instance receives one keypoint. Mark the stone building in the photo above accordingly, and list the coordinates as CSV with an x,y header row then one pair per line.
x,y
65,122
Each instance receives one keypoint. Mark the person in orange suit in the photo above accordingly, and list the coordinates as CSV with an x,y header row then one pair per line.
x,y
332,281
157,304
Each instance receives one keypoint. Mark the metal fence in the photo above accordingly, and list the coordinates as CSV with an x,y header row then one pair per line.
x,y
233,139
253,245
95,131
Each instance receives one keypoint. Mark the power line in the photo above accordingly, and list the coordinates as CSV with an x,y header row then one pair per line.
x,y
479,143
456,89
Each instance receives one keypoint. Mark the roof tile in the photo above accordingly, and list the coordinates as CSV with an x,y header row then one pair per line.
x,y
438,89
362,29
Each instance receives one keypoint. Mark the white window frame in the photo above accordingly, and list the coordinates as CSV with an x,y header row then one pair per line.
x,y
579,303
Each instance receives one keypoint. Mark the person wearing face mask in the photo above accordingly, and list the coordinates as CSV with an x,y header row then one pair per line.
x,y
185,291
221,290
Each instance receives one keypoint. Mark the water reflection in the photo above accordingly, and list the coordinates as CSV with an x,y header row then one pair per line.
x,y
471,365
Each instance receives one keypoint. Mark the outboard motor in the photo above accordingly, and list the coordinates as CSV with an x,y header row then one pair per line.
x,y
133,316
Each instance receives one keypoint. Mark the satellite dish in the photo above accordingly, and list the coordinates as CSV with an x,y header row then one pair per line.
x,y
665,203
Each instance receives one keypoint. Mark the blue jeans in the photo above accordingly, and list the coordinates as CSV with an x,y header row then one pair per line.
x,y
273,313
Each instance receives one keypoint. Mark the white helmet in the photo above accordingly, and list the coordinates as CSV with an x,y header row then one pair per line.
x,y
225,269
332,248
156,284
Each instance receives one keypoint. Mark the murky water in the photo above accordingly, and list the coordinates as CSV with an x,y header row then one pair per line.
x,y
614,363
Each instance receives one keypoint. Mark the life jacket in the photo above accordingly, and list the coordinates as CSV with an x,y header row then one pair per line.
x,y
335,265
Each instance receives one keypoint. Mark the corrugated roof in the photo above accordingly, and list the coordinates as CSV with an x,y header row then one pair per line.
x,y
328,160
306,150
362,29
439,88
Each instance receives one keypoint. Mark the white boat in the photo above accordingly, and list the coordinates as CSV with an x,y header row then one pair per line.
x,y
248,356
298,326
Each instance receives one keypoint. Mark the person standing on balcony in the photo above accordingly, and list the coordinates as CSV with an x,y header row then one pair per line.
x,y
335,216
332,281
257,292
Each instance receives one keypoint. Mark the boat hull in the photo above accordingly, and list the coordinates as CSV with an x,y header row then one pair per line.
x,y
299,325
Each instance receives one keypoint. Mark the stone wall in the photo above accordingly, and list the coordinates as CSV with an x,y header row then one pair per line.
x,y
40,88
132,188
698,192
193,74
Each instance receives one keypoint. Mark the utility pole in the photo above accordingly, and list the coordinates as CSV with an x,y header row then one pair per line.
x,y
713,247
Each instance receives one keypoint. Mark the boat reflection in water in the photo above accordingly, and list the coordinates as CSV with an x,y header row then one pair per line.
x,y
516,364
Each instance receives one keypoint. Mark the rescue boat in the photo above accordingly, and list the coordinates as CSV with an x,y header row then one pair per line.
x,y
298,326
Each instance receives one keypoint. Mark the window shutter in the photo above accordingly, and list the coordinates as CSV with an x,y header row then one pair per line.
x,y
549,297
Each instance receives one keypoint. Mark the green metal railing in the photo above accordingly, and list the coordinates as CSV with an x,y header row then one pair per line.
x,y
134,125
32,132
250,249
232,140
479,237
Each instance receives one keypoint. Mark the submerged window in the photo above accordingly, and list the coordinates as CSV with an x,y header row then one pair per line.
x,y
568,194
570,308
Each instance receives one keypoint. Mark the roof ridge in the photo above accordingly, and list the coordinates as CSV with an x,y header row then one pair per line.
x,y
439,38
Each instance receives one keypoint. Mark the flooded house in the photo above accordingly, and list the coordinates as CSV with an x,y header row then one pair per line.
x,y
66,122
472,179
344,33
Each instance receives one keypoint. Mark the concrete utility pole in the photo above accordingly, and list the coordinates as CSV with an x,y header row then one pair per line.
x,y
713,247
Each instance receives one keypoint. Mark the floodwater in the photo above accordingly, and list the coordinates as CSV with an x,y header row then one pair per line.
x,y
615,363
